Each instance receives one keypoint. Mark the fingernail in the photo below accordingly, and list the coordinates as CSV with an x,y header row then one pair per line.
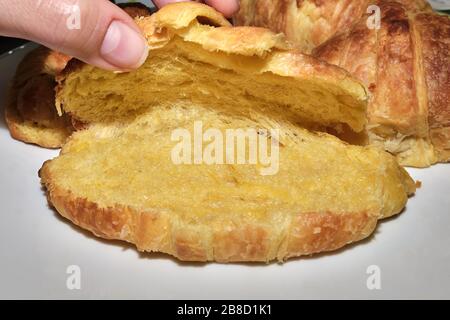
x,y
123,47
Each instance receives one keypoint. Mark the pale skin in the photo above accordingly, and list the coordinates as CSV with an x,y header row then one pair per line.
x,y
107,37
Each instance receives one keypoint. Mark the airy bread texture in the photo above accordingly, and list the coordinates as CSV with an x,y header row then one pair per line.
x,y
206,60
120,183
118,180
30,111
406,66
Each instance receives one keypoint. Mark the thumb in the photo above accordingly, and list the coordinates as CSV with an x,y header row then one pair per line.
x,y
97,32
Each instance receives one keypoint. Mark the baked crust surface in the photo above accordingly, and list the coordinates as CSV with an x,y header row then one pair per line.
x,y
308,233
309,23
30,112
115,179
405,65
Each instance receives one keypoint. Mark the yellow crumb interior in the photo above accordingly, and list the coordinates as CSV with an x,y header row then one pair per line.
x,y
124,158
185,71
132,166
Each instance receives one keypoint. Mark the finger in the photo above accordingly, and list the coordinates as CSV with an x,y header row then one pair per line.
x,y
97,32
227,7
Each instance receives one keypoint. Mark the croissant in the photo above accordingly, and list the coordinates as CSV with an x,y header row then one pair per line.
x,y
30,113
308,23
405,66
119,180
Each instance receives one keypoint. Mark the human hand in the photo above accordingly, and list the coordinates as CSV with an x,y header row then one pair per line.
x,y
94,31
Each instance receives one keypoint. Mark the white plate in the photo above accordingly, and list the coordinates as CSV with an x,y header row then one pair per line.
x,y
412,250
440,4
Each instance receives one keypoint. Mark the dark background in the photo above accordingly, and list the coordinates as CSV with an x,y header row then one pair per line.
x,y
7,44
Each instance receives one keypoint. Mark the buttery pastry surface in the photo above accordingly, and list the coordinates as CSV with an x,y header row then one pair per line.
x,y
405,64
30,112
116,178
120,183
309,23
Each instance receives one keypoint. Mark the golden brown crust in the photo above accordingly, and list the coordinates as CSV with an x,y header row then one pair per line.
x,y
28,132
309,23
305,233
405,66
306,23
395,96
434,35
30,112
322,232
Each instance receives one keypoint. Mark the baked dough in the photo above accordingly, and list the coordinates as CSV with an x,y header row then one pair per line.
x,y
406,66
309,23
254,64
30,111
116,178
